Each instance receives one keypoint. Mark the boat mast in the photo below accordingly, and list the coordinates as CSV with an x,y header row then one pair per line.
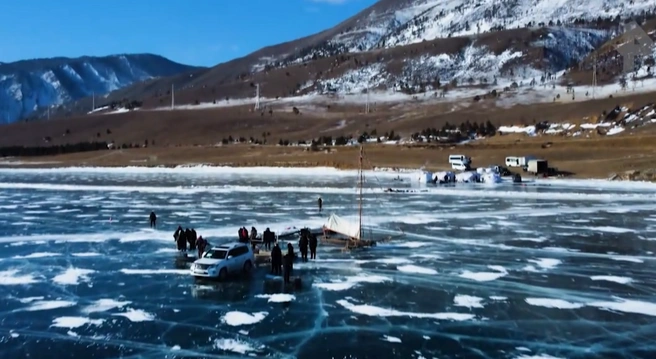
x,y
361,182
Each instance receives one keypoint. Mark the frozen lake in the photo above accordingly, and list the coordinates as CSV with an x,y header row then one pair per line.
x,y
549,269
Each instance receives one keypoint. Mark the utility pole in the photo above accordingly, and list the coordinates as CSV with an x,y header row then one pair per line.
x,y
257,97
172,97
48,112
93,100
594,75
366,107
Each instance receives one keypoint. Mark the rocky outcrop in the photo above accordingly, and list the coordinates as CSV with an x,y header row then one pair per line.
x,y
635,175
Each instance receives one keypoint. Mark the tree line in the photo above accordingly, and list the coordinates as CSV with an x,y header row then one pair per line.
x,y
22,151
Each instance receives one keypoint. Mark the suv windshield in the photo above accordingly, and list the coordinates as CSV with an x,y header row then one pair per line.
x,y
216,254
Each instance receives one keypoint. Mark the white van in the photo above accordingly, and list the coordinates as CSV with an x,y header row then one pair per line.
x,y
459,159
521,161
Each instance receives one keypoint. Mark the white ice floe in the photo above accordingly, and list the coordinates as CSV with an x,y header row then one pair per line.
x,y
235,318
498,298
235,346
391,339
85,254
30,299
73,276
626,306
136,315
351,282
485,276
627,259
553,303
48,305
103,305
416,270
11,277
539,356
374,311
543,264
75,322
611,278
37,255
277,298
467,301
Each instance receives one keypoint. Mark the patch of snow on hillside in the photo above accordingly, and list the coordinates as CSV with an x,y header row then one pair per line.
x,y
473,62
356,81
432,19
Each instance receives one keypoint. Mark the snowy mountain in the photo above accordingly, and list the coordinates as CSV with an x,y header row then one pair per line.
x,y
412,47
31,84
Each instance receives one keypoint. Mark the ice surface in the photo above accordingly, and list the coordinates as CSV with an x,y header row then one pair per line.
x,y
612,278
49,304
103,305
472,243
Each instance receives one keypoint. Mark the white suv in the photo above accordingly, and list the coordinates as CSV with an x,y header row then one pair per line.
x,y
223,260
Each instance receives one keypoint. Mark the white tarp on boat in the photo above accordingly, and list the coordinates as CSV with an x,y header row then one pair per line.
x,y
340,225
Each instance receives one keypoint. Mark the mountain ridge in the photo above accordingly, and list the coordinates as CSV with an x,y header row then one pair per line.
x,y
385,46
28,85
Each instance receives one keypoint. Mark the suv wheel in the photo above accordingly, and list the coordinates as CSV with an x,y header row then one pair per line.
x,y
223,274
248,267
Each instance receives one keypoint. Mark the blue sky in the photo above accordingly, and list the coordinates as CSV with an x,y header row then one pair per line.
x,y
198,32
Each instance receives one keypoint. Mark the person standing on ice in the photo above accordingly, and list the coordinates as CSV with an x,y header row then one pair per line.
x,y
320,203
201,243
288,265
313,246
303,246
153,219
276,260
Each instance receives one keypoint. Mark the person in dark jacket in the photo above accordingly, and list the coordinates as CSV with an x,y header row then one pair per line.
x,y
267,238
320,203
276,260
201,243
288,265
189,237
303,246
181,239
313,246
194,239
153,219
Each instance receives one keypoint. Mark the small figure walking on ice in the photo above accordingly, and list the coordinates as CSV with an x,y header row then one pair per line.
x,y
153,219
320,203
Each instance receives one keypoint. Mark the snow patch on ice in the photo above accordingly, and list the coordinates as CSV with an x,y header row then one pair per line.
x,y
351,282
73,276
277,298
136,315
75,322
11,277
416,270
373,311
236,318
467,301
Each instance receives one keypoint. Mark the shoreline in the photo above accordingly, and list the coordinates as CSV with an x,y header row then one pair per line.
x,y
587,160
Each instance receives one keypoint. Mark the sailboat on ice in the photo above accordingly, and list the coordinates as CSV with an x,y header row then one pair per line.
x,y
338,230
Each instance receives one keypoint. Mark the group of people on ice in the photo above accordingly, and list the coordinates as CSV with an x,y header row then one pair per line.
x,y
285,264
189,236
